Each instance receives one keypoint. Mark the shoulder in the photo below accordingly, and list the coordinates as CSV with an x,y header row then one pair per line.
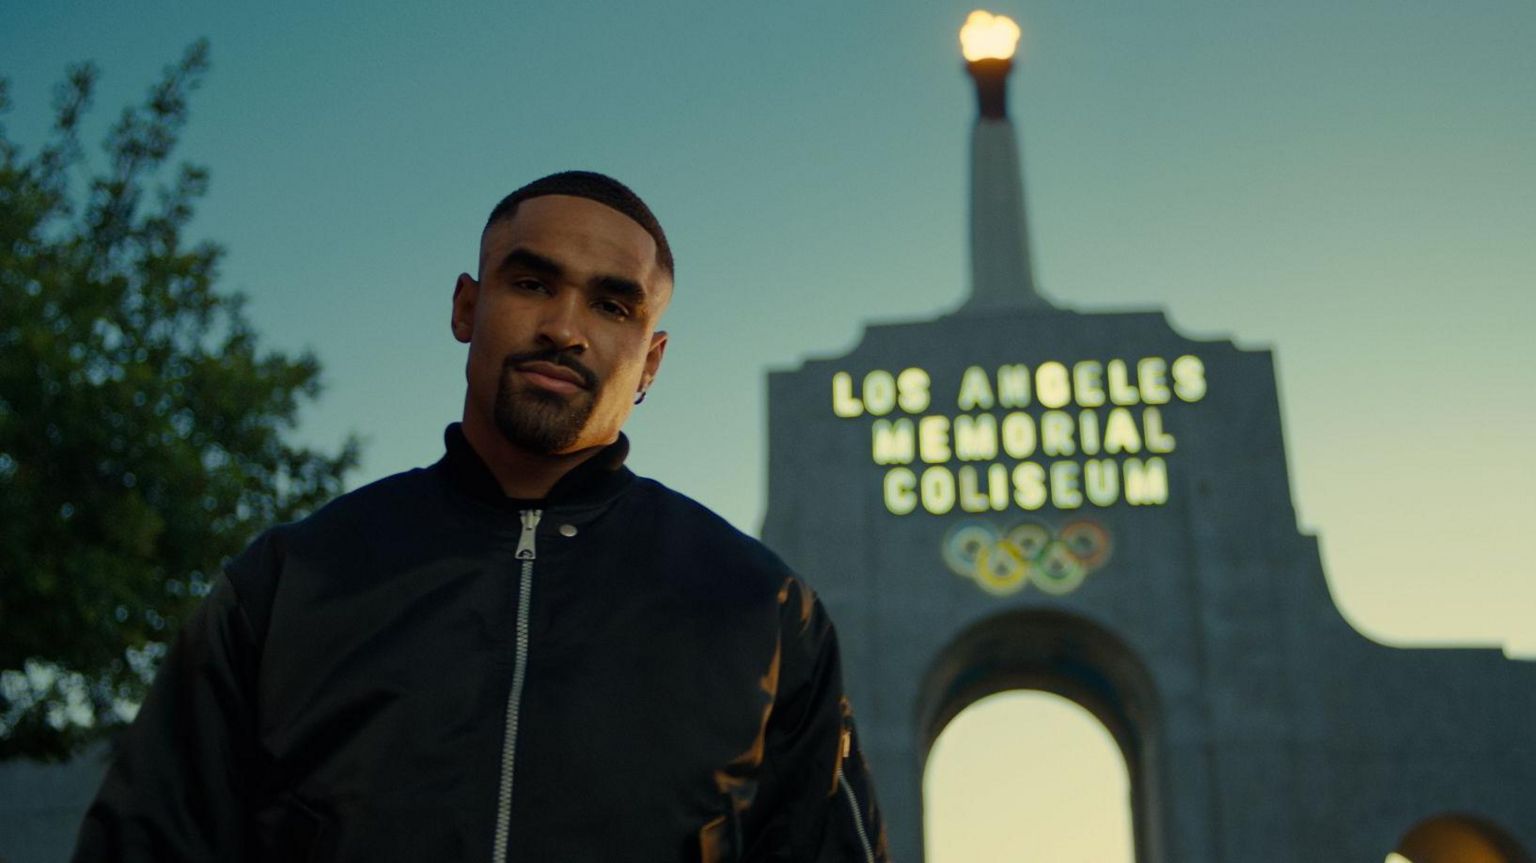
x,y
682,524
730,563
348,526
701,547
370,516
398,497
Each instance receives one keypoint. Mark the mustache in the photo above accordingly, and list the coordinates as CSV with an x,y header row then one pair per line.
x,y
558,357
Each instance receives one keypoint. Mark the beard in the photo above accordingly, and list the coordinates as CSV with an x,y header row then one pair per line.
x,y
537,420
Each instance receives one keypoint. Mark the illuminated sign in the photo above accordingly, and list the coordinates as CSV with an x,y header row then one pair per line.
x,y
1004,562
1090,433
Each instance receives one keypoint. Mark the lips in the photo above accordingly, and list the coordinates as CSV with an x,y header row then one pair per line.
x,y
552,376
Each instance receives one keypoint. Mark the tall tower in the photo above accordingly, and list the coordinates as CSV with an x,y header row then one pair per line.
x,y
1002,277
1019,496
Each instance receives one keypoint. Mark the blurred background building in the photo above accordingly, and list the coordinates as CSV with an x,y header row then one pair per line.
x,y
1019,496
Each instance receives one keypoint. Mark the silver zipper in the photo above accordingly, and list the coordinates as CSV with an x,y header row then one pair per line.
x,y
525,553
858,816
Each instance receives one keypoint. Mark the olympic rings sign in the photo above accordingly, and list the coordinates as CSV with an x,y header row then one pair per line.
x,y
1056,562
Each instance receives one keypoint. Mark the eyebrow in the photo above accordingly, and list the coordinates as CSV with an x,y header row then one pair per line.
x,y
533,262
521,258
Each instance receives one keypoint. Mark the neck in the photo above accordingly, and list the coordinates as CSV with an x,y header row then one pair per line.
x,y
521,474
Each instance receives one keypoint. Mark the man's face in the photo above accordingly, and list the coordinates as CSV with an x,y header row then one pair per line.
x,y
561,325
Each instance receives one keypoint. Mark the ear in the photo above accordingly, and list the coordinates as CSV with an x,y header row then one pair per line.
x,y
466,291
653,359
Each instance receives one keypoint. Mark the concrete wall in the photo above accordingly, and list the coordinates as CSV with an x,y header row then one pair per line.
x,y
1278,733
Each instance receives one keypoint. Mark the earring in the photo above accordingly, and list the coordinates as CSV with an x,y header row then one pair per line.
x,y
640,397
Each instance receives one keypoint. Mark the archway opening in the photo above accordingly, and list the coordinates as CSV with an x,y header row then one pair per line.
x,y
1457,839
1081,663
1027,775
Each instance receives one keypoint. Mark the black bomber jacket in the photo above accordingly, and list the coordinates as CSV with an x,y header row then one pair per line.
x,y
426,670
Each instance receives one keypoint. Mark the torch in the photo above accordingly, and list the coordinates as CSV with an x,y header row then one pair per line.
x,y
1001,275
988,42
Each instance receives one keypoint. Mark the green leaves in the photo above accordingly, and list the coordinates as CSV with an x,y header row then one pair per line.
x,y
142,427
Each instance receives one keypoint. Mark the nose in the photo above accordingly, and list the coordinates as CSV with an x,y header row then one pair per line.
x,y
561,322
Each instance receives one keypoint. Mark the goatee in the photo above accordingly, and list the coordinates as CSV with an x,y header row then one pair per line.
x,y
537,420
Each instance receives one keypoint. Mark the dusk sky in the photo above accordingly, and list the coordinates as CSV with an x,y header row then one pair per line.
x,y
1351,185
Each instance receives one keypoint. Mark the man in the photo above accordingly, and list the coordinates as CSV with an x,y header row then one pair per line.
x,y
521,653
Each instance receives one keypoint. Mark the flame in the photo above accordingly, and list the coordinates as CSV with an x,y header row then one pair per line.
x,y
988,37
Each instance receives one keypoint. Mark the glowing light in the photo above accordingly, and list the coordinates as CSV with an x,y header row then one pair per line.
x,y
1112,408
988,37
1397,858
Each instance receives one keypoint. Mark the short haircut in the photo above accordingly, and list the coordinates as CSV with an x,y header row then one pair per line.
x,y
594,187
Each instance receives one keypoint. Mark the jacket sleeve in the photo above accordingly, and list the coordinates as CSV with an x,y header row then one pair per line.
x,y
177,786
814,800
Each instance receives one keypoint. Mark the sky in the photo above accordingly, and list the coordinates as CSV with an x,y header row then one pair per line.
x,y
1350,185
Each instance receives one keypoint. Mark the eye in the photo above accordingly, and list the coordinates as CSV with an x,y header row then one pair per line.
x,y
530,284
612,308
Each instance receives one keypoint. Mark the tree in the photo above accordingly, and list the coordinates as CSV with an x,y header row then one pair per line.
x,y
142,430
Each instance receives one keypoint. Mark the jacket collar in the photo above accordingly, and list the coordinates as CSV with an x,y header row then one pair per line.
x,y
594,481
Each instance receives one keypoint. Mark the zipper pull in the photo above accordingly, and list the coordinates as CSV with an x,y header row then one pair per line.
x,y
525,542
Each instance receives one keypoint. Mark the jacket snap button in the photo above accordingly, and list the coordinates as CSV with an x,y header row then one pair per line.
x,y
567,530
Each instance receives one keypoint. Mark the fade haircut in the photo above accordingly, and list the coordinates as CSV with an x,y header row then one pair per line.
x,y
594,187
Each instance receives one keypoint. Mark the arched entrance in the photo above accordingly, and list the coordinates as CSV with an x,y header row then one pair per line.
x,y
1069,656
1257,725
1026,775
